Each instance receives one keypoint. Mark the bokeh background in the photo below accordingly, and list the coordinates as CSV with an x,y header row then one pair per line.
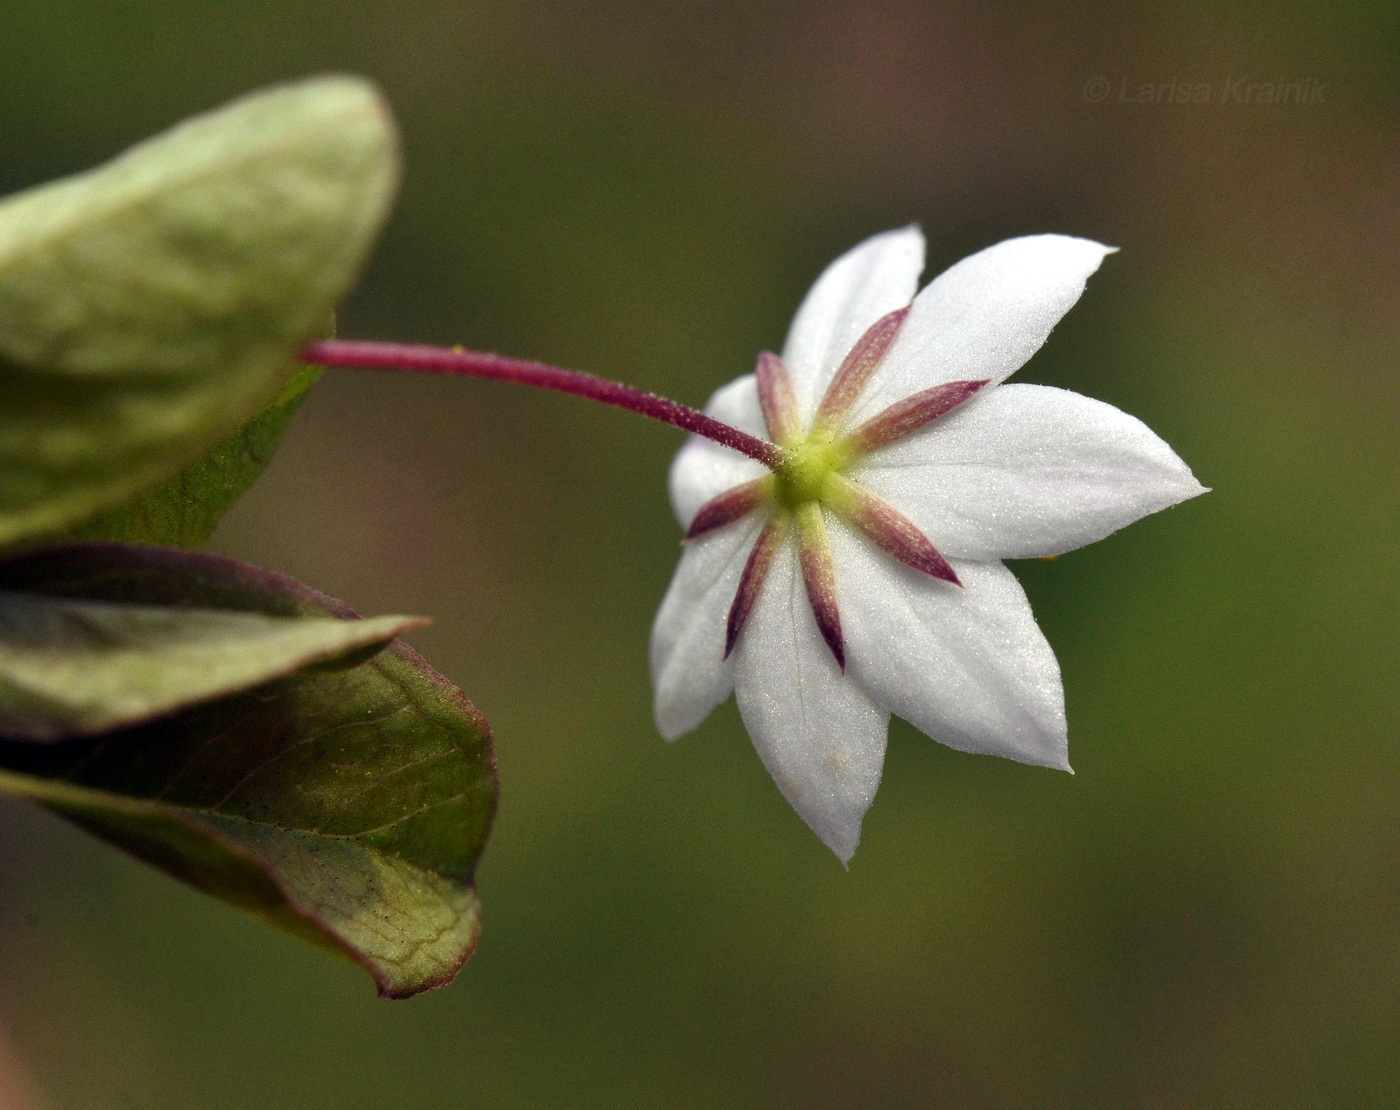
x,y
1206,916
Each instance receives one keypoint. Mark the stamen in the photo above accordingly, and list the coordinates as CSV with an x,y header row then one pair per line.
x,y
777,398
909,415
731,505
855,371
888,528
752,578
819,575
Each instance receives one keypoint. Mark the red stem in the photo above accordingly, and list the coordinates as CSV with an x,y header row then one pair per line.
x,y
473,364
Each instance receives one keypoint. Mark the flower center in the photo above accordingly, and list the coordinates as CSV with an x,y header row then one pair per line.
x,y
803,475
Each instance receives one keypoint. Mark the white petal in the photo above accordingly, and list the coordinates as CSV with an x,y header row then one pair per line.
x,y
702,469
1027,470
817,732
688,670
967,666
983,318
873,278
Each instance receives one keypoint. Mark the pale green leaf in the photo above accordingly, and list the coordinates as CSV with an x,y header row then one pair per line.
x,y
151,307
184,510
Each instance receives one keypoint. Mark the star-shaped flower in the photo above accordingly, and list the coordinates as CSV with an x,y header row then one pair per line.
x,y
862,577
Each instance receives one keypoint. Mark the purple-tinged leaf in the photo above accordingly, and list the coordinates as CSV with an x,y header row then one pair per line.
x,y
347,807
75,667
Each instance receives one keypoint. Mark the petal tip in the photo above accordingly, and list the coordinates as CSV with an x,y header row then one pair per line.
x,y
1187,488
671,724
1090,253
839,830
671,731
913,232
843,847
838,827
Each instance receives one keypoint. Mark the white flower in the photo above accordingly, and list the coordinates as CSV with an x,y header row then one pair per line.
x,y
863,577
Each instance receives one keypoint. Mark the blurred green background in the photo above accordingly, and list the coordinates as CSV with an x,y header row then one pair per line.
x,y
1206,916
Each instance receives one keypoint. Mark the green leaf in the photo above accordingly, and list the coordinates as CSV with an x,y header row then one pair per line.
x,y
346,807
73,667
153,306
184,510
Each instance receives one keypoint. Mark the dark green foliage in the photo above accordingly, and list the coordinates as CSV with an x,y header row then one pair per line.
x,y
348,807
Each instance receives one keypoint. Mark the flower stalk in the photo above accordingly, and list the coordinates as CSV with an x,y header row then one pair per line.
x,y
422,359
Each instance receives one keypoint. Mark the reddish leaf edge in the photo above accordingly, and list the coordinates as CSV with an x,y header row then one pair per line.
x,y
312,929
31,571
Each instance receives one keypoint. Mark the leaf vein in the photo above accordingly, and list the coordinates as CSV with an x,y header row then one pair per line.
x,y
303,742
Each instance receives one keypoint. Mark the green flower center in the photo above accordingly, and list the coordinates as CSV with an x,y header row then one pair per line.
x,y
803,476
